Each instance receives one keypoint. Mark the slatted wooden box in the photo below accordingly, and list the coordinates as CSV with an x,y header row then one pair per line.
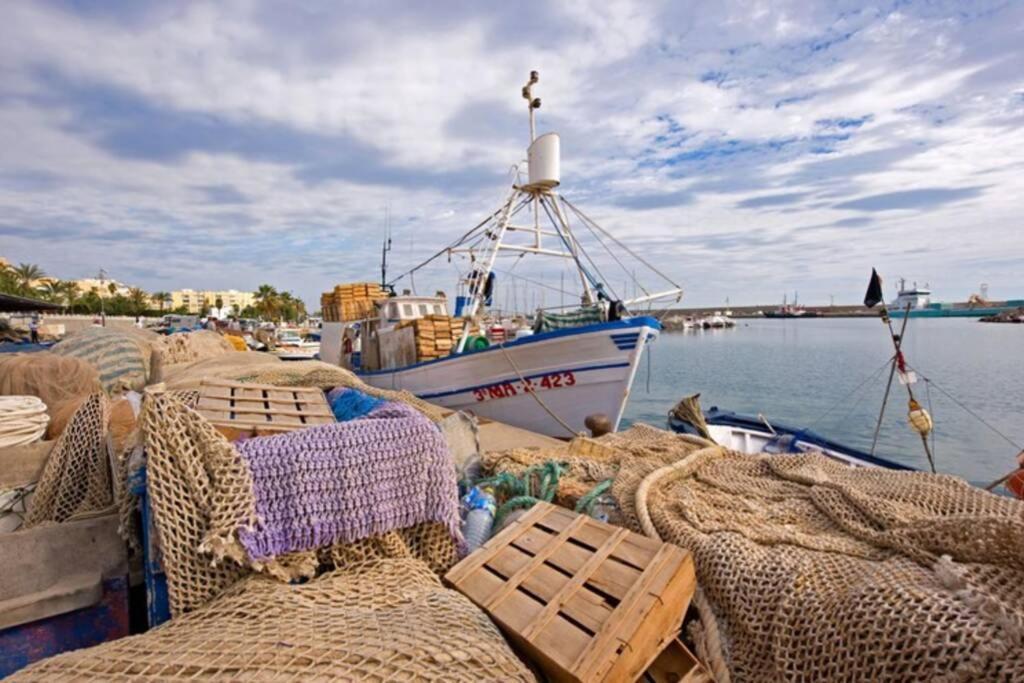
x,y
585,600
236,408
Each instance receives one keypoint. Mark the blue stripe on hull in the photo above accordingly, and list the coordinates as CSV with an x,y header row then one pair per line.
x,y
628,325
515,378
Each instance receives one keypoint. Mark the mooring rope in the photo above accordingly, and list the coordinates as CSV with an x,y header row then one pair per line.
x,y
23,420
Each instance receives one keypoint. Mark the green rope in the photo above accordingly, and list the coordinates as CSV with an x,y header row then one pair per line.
x,y
538,482
586,502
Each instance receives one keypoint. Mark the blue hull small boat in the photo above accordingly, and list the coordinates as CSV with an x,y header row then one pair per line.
x,y
749,434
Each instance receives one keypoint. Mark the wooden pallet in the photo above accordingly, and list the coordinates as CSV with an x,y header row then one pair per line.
x,y
585,600
236,408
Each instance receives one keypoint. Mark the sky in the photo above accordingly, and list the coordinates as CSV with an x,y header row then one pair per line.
x,y
745,149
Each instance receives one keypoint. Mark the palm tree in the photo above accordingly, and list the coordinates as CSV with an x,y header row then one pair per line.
x,y
268,301
138,300
70,293
161,298
8,281
25,274
53,290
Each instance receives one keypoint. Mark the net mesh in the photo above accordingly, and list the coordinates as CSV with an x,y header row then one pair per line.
x,y
373,620
811,570
76,479
201,492
62,383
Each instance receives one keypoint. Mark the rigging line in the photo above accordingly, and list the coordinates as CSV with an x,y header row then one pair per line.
x,y
973,414
610,252
574,252
533,282
605,282
459,241
846,397
526,386
619,243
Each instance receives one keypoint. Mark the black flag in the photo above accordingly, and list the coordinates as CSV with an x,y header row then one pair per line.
x,y
874,293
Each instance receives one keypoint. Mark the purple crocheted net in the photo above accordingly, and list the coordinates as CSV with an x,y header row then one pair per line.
x,y
342,482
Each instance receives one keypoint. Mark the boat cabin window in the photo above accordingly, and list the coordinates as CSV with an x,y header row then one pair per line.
x,y
392,310
407,310
424,309
438,309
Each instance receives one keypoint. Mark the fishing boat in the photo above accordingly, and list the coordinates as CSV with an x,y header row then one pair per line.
x,y
755,434
571,363
794,310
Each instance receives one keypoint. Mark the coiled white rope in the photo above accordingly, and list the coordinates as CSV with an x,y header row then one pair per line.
x,y
23,420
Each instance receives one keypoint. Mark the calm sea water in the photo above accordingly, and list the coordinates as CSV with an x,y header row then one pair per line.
x,y
802,373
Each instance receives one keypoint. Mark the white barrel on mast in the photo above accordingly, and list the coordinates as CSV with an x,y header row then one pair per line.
x,y
545,160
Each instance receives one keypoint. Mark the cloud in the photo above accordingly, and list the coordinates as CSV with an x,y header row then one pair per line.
x,y
714,137
924,198
771,200
221,194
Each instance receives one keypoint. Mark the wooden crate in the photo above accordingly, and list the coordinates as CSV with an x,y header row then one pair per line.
x,y
258,409
585,600
676,664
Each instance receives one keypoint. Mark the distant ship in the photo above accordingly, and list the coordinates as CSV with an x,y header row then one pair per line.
x,y
794,310
917,303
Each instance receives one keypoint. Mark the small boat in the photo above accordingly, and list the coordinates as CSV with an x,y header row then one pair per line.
x,y
291,345
717,321
750,434
793,310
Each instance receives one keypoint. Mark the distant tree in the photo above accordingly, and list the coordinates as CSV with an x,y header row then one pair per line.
x,y
161,299
112,288
25,274
8,280
268,302
69,293
138,301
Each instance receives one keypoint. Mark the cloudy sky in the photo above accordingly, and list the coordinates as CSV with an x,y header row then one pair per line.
x,y
746,148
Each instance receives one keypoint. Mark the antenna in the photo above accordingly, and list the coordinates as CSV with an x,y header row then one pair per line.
x,y
385,247
532,102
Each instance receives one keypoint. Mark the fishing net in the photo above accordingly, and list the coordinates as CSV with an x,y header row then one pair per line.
x,y
374,620
121,357
263,368
812,570
76,479
61,382
202,493
186,347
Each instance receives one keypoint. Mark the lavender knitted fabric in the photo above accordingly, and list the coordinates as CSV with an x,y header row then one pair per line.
x,y
342,482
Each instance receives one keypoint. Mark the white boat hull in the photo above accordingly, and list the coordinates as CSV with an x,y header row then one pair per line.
x,y
575,373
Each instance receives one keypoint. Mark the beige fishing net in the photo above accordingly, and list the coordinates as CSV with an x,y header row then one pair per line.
x,y
263,368
200,490
76,478
62,383
375,620
811,570
193,346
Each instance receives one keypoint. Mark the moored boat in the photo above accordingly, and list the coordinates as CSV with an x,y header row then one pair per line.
x,y
546,378
755,434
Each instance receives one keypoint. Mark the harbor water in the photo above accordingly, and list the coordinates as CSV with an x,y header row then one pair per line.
x,y
805,373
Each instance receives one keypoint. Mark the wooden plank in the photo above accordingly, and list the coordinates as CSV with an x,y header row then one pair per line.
x,y
676,664
542,554
651,583
613,578
585,606
474,561
567,591
636,550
